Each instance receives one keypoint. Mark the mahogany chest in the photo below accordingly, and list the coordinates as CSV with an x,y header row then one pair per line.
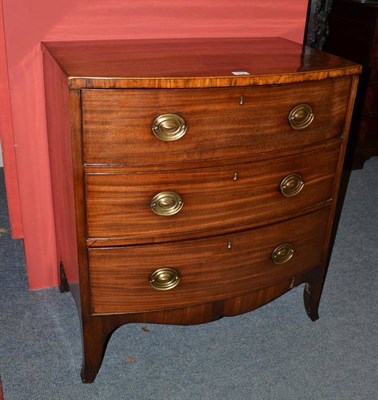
x,y
192,179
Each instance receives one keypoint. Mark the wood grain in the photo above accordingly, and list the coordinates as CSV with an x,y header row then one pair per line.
x,y
117,123
118,165
97,329
210,271
118,205
314,286
201,62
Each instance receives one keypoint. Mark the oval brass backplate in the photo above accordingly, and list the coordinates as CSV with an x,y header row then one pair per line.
x,y
301,116
282,253
169,127
166,203
164,279
292,185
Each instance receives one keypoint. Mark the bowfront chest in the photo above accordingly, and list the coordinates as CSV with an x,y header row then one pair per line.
x,y
192,179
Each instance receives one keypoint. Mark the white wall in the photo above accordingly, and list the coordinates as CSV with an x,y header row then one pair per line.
x,y
1,157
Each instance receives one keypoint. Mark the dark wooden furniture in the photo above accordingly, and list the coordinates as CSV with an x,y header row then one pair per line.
x,y
192,179
317,29
353,34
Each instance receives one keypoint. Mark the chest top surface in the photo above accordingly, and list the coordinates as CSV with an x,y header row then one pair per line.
x,y
178,63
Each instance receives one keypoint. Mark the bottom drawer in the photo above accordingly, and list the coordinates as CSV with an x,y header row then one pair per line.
x,y
203,270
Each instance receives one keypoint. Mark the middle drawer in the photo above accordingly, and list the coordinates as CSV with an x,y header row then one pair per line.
x,y
160,206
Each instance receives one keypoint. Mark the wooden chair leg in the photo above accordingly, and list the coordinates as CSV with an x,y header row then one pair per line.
x,y
96,334
312,293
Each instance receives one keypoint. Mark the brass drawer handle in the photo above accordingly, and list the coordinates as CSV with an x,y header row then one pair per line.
x,y
282,253
164,279
292,185
301,116
166,203
169,127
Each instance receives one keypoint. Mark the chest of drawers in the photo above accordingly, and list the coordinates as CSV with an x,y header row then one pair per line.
x,y
192,179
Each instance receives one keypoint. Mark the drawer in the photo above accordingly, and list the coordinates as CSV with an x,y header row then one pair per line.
x,y
117,124
209,269
119,204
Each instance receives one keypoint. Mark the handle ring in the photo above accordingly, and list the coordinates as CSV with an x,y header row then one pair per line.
x,y
169,127
164,279
292,185
166,203
301,116
282,253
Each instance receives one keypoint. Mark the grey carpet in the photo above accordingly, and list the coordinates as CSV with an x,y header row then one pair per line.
x,y
275,352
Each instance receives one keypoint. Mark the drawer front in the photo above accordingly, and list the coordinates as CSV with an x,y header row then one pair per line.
x,y
119,205
117,124
208,269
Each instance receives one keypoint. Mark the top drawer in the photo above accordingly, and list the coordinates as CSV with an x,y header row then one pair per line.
x,y
220,123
